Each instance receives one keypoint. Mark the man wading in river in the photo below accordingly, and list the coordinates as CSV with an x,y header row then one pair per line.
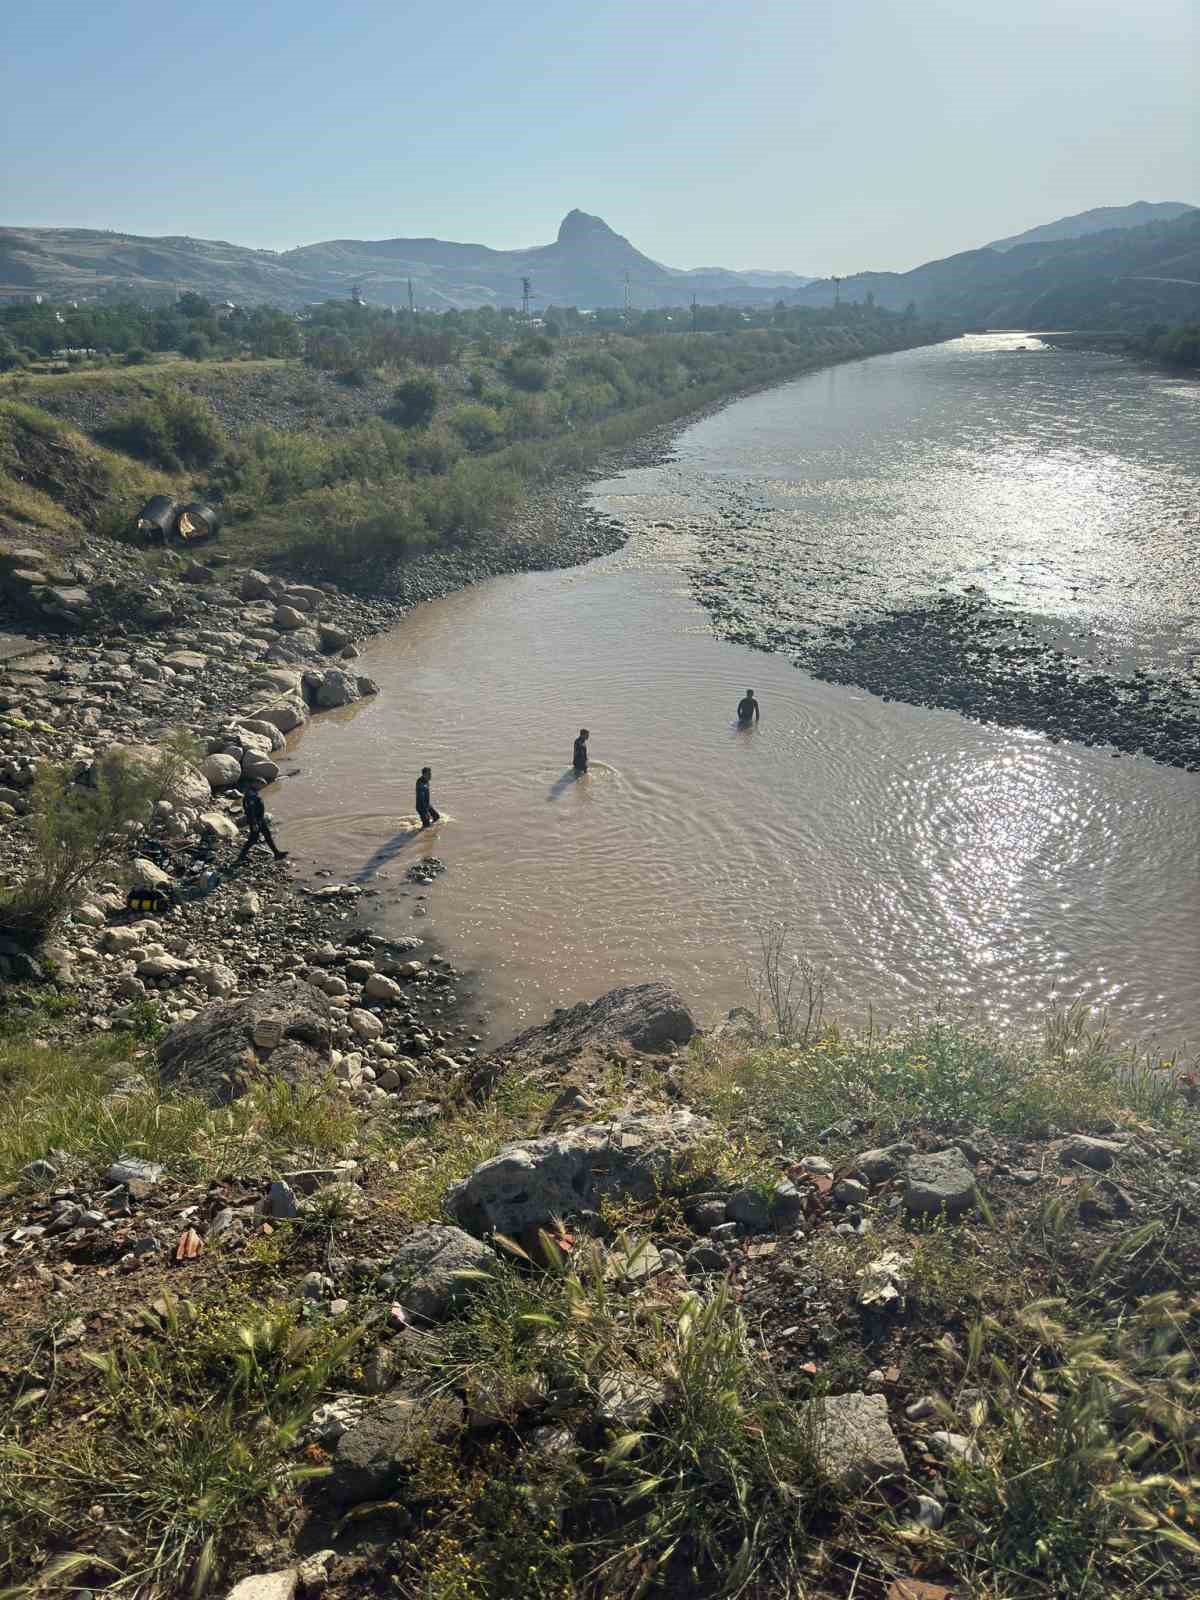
x,y
425,809
260,827
579,757
747,710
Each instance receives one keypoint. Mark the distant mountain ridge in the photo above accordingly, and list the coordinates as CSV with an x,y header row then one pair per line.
x,y
1039,279
587,265
1099,220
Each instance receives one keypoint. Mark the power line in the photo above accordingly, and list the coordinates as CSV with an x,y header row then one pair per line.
x,y
526,291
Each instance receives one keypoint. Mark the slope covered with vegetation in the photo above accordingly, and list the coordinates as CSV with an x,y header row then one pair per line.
x,y
394,436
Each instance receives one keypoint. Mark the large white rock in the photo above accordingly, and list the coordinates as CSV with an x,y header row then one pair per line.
x,y
218,825
186,661
259,766
365,1025
266,1586
287,715
377,987
147,876
288,618
853,1439
221,771
268,731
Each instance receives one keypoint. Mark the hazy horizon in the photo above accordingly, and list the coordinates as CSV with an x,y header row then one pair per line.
x,y
833,142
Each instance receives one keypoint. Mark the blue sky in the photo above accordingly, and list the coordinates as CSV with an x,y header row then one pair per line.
x,y
813,135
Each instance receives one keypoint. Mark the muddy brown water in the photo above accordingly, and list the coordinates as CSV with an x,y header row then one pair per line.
x,y
926,859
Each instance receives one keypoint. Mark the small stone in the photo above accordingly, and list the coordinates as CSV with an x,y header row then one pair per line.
x,y
849,1192
819,1166
853,1439
281,1201
937,1184
928,1512
726,1232
133,1169
749,1208
1098,1154
880,1166
266,1586
365,1024
953,1447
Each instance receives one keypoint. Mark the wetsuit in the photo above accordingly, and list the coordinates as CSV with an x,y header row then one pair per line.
x,y
579,759
260,828
425,808
747,711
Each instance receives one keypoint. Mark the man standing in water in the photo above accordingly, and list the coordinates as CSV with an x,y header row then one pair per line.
x,y
259,823
579,757
747,711
425,808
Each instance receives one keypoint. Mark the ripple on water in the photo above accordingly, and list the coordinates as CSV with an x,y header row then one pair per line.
x,y
924,857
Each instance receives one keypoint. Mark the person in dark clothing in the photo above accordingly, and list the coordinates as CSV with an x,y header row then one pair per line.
x,y
425,808
747,709
579,756
256,817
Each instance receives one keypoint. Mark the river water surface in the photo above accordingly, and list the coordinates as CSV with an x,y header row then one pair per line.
x,y
926,859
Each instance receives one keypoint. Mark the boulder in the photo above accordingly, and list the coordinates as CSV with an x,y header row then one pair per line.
x,y
881,1166
366,685
332,639
365,1024
377,987
645,1016
853,1439
426,1266
336,688
288,617
188,786
147,876
266,730
219,980
371,1456
533,1180
256,586
213,1054
217,825
259,767
221,771
186,661
939,1183
287,716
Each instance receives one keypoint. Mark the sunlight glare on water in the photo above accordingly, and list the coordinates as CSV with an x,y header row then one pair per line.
x,y
926,858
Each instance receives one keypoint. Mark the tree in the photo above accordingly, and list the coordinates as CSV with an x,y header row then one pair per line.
x,y
415,401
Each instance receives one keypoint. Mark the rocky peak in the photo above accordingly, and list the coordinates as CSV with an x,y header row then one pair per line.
x,y
578,228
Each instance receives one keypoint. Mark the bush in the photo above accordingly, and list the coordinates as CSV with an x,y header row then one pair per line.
x,y
172,430
532,376
196,347
477,426
78,828
136,356
415,402
10,356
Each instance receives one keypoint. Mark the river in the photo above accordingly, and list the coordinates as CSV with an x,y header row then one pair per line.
x,y
925,859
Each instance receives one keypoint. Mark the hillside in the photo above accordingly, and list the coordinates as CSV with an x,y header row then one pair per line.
x,y
586,265
1112,279
1101,219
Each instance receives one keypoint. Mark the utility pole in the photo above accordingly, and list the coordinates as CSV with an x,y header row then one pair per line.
x,y
627,298
526,291
693,313
837,290
412,310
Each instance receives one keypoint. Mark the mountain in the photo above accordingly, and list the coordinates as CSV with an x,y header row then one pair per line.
x,y
587,265
1101,219
1115,279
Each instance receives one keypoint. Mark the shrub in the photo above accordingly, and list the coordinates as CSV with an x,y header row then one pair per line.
x,y
196,347
136,356
477,426
78,828
530,375
172,430
415,402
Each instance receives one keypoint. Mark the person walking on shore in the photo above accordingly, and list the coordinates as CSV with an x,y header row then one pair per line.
x,y
425,809
579,756
747,711
258,821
